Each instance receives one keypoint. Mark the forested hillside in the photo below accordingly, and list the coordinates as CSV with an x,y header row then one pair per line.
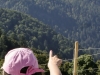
x,y
21,30
75,19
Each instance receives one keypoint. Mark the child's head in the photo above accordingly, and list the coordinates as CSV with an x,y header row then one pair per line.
x,y
21,61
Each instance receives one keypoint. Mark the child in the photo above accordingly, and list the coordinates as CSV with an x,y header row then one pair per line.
x,y
21,61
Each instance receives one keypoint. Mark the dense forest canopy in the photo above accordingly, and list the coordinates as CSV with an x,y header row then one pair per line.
x,y
29,32
75,19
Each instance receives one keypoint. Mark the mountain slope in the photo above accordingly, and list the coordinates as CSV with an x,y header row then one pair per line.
x,y
33,33
75,19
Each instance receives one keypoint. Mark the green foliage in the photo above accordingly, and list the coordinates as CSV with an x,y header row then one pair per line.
x,y
77,20
66,68
86,65
1,62
21,30
98,64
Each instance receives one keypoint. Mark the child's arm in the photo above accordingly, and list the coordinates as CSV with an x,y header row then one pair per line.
x,y
53,64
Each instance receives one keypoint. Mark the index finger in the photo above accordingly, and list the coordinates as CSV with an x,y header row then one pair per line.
x,y
50,53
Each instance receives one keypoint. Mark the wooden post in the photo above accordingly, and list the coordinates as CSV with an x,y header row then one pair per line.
x,y
75,58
